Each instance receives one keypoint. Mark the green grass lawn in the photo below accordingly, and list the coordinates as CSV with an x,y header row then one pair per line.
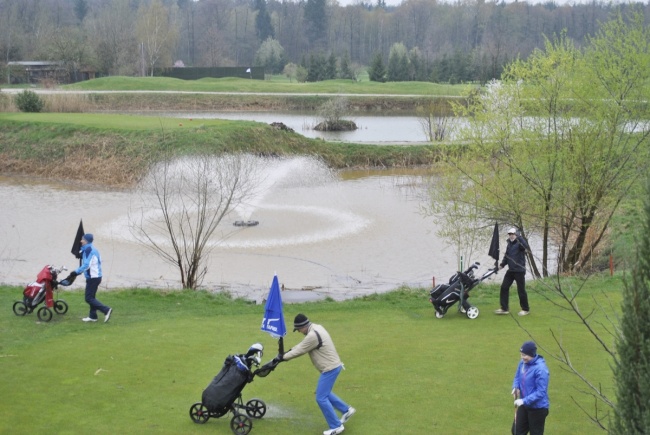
x,y
122,122
406,371
230,84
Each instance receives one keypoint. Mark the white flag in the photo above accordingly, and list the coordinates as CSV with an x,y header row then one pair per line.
x,y
248,70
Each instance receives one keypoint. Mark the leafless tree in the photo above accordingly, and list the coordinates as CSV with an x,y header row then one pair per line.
x,y
182,202
435,120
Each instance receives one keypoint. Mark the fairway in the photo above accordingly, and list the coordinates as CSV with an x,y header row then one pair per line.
x,y
406,371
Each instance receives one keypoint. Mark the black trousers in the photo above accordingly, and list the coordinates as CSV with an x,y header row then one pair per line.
x,y
529,420
520,279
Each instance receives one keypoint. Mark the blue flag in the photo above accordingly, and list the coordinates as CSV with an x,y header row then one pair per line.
x,y
273,321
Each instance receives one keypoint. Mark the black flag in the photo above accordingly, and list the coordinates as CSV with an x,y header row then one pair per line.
x,y
494,245
76,246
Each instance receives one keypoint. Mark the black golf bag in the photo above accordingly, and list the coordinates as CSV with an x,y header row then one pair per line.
x,y
457,289
227,385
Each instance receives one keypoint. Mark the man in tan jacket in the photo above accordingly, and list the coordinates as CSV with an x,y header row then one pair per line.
x,y
319,345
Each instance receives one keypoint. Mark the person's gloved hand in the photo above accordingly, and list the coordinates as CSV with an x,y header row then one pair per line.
x,y
73,273
519,402
278,358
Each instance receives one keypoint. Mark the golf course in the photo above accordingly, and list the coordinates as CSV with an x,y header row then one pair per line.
x,y
406,372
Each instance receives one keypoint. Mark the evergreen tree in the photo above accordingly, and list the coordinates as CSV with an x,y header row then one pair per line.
x,y
330,72
345,71
398,67
263,26
80,9
317,70
377,70
316,17
632,369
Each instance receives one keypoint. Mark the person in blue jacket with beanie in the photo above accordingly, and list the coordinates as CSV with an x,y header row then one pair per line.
x,y
530,390
91,267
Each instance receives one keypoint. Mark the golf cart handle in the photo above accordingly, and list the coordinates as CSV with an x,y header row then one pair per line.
x,y
489,273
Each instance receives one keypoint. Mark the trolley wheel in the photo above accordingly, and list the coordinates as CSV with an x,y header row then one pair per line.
x,y
255,408
241,425
44,314
199,413
60,306
20,309
472,312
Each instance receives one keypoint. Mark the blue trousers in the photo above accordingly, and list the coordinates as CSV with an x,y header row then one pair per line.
x,y
92,284
328,401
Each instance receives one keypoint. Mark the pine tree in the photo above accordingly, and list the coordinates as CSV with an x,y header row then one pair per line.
x,y
263,26
345,70
316,18
632,369
376,70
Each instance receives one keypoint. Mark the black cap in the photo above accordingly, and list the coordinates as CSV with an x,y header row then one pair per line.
x,y
300,321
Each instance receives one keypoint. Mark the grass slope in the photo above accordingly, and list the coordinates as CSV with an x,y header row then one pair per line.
x,y
116,150
121,83
406,372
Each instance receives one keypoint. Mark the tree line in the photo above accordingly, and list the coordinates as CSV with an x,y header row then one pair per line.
x,y
417,40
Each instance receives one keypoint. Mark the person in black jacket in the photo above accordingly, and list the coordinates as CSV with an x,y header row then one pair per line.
x,y
515,258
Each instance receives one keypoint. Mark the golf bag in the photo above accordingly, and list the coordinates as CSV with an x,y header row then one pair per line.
x,y
40,292
228,384
443,296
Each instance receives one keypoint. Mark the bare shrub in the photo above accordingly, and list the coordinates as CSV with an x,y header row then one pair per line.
x,y
181,203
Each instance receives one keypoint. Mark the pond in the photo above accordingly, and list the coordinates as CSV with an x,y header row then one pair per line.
x,y
340,235
371,128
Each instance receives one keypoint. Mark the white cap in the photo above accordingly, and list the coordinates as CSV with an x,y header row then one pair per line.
x,y
512,230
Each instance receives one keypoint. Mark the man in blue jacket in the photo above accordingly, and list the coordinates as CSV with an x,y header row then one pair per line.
x,y
515,259
530,390
91,267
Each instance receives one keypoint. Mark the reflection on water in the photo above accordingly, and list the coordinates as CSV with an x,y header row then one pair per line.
x,y
338,237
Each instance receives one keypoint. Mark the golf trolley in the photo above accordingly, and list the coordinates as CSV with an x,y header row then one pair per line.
x,y
40,291
240,423
443,296
224,393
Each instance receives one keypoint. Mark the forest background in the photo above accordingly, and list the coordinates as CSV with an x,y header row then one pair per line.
x,y
452,42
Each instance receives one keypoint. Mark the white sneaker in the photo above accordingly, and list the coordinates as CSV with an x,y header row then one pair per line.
x,y
88,319
349,413
501,312
334,431
523,313
108,315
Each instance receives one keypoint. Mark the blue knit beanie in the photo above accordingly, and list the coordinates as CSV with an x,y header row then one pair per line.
x,y
529,348
88,237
